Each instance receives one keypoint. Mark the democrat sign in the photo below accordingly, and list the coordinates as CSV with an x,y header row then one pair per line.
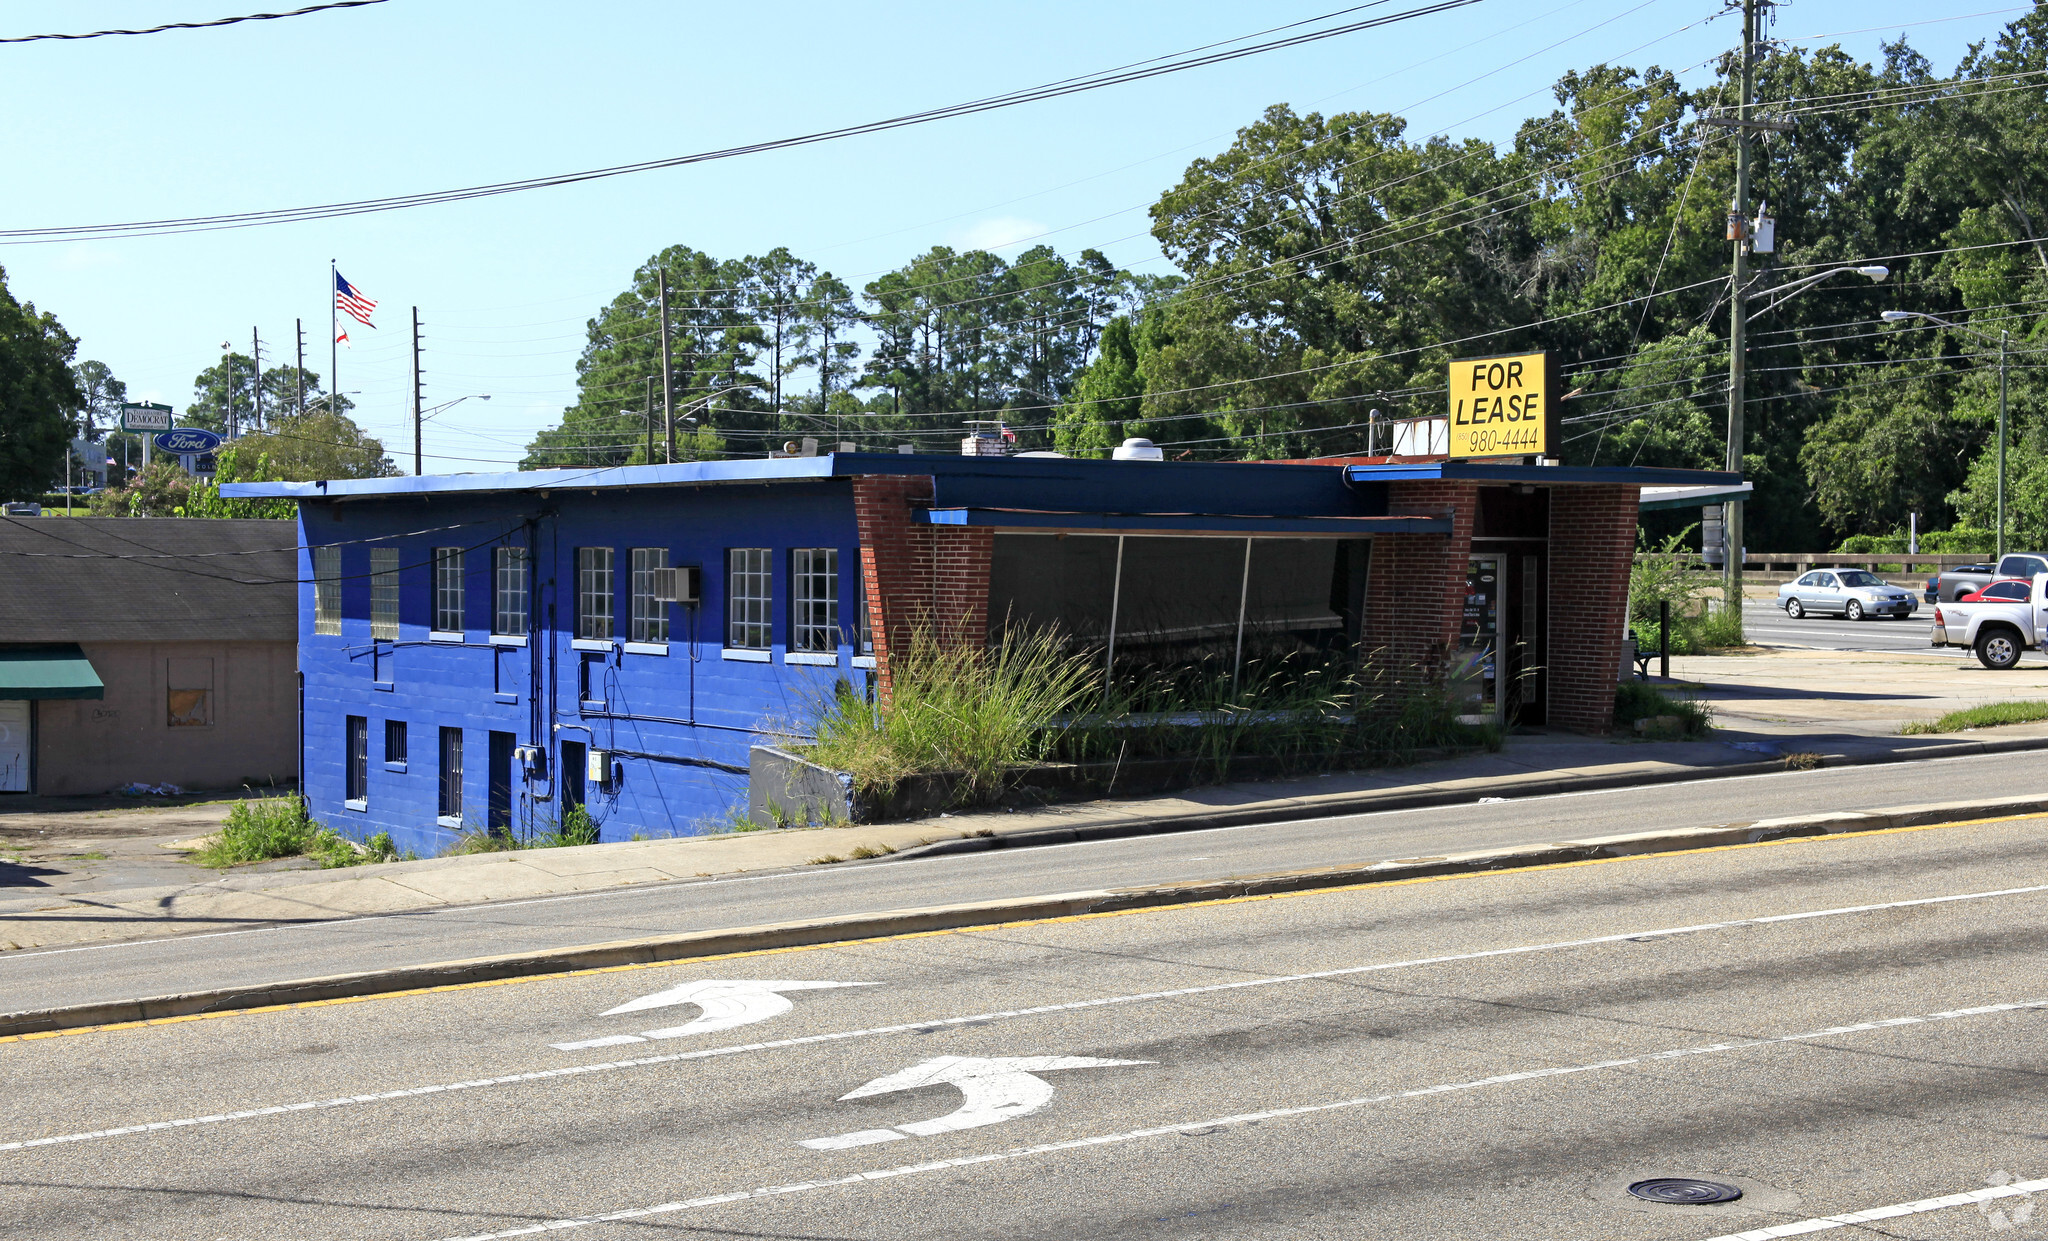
x,y
145,416
186,441
1504,406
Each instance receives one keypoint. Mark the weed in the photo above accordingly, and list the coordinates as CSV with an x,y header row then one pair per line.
x,y
1802,761
577,828
256,831
1985,715
824,860
93,855
1636,700
864,852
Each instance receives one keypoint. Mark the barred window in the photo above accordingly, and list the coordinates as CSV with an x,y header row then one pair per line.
x,y
356,759
594,593
384,594
650,615
451,773
394,741
448,589
508,614
749,596
327,590
814,599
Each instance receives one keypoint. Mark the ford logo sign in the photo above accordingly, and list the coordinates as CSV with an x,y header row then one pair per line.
x,y
189,439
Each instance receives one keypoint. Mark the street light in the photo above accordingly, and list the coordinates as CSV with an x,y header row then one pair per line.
x,y
1738,383
1876,272
419,420
1901,316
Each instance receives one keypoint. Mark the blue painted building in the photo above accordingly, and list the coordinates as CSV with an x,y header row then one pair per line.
x,y
482,652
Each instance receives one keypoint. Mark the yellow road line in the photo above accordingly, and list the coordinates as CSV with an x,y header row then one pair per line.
x,y
999,926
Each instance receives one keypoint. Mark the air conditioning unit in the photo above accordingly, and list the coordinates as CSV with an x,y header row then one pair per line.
x,y
677,584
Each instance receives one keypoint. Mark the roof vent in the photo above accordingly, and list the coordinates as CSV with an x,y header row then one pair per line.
x,y
1138,450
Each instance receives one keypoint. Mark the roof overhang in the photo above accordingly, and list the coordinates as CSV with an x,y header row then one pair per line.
x,y
1541,475
59,670
1693,497
1195,524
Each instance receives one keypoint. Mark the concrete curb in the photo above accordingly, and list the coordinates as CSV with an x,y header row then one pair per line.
x,y
1372,803
987,913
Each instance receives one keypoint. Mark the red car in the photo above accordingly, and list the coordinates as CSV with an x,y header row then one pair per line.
x,y
2004,590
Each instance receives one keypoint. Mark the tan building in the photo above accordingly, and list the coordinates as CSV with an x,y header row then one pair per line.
x,y
147,651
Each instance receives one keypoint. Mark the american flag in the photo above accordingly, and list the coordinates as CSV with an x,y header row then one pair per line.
x,y
352,303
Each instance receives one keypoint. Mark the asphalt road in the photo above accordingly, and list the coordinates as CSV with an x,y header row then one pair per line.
x,y
1763,623
1831,1026
55,977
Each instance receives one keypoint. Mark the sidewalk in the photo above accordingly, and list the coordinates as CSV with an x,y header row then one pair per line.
x,y
102,872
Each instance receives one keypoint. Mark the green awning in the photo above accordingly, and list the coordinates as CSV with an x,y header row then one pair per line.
x,y
57,671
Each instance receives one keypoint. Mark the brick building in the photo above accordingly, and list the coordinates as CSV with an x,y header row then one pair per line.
x,y
484,651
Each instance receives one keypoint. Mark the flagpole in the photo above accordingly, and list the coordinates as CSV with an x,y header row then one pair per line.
x,y
333,342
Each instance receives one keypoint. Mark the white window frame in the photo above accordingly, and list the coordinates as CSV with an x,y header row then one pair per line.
x,y
650,615
596,593
509,593
749,598
814,601
384,594
448,590
327,590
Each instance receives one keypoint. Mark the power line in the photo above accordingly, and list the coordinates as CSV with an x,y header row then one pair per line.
x,y
223,21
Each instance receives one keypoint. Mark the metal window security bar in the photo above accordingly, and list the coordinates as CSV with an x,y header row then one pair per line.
x,y
384,594
357,759
650,614
327,590
508,611
451,773
394,741
594,593
448,589
814,599
750,596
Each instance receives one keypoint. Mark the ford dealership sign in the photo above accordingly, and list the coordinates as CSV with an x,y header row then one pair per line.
x,y
188,439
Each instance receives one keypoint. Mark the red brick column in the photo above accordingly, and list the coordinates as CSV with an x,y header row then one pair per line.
x,y
918,576
1415,587
1592,548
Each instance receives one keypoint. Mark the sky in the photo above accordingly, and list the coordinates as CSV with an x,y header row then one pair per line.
x,y
416,95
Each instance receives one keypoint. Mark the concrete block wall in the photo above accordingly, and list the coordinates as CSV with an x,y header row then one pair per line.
x,y
679,720
1592,547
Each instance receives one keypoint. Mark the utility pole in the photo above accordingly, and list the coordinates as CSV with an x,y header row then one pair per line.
x,y
1738,314
668,414
299,370
648,419
2004,337
418,456
256,377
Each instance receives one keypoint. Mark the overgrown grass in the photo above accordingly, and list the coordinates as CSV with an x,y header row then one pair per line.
x,y
955,708
1032,698
1673,574
1988,715
260,830
575,828
1637,700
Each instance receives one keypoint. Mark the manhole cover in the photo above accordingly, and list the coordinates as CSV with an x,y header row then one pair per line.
x,y
1684,1191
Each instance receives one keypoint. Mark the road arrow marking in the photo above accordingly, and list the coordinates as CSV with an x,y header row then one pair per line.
x,y
725,1004
993,1090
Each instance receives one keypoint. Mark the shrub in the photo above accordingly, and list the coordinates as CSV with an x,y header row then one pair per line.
x,y
257,831
1637,700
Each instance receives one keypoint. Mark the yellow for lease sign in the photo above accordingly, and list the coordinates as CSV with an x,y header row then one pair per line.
x,y
1504,406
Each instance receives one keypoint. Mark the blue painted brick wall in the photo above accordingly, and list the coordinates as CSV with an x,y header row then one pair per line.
x,y
681,723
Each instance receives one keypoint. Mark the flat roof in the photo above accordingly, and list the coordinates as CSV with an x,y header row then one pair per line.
x,y
1552,475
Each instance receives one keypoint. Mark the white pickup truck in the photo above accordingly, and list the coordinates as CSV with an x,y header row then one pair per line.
x,y
1998,632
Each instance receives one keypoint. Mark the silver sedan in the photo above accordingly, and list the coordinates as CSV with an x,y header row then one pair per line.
x,y
1853,593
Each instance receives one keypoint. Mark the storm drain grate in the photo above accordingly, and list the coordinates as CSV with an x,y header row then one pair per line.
x,y
1684,1191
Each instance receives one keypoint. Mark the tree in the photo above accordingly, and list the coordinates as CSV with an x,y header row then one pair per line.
x,y
104,396
307,446
40,400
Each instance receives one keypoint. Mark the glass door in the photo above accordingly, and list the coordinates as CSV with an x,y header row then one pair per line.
x,y
1477,673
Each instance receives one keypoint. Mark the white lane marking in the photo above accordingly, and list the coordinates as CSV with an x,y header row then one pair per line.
x,y
726,1003
1814,776
993,1089
1278,1113
935,1024
1972,1197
